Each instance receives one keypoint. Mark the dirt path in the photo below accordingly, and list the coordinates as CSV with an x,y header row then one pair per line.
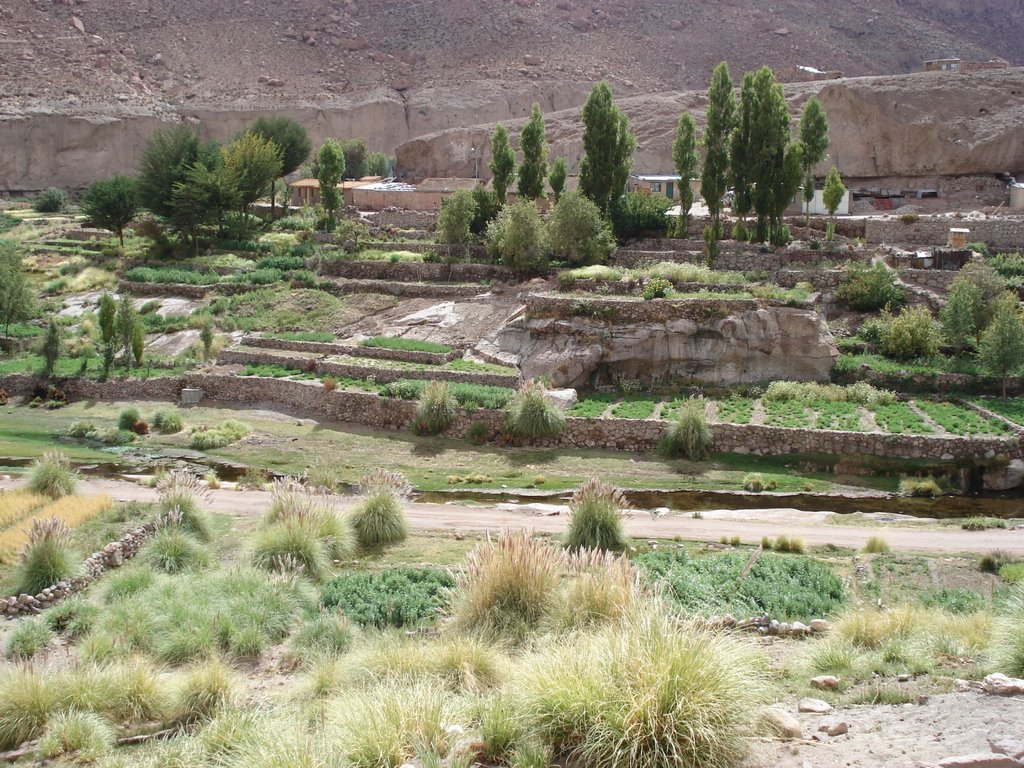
x,y
749,524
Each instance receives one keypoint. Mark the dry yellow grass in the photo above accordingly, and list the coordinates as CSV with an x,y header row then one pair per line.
x,y
72,510
15,506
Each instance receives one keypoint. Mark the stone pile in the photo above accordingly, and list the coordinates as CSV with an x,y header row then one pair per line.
x,y
765,625
113,555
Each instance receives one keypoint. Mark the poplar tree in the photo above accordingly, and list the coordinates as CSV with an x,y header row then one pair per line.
x,y
721,119
535,167
503,162
832,196
608,147
684,155
774,160
740,158
330,171
813,147
556,178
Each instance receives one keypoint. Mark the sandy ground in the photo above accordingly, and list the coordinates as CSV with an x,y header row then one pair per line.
x,y
750,525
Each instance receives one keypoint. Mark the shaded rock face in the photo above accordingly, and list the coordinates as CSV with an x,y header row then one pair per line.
x,y
745,347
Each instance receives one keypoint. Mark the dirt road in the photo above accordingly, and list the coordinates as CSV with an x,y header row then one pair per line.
x,y
749,524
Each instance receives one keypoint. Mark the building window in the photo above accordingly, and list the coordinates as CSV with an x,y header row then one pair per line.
x,y
655,186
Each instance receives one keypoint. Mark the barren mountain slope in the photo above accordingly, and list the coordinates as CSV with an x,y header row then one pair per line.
x,y
270,52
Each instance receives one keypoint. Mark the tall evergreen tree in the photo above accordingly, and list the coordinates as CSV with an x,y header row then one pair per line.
x,y
503,162
166,160
51,348
330,162
775,162
608,147
721,119
813,147
533,143
556,178
127,321
107,317
741,166
687,161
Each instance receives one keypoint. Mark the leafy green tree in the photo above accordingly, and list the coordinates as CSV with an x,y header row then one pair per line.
x,y
534,169
813,147
291,138
206,339
456,218
503,162
487,207
636,213
687,162
608,147
517,237
51,348
108,330
379,164
356,155
741,162
112,204
776,163
991,284
577,232
720,121
252,163
127,320
16,301
203,198
832,196
1001,346
961,313
169,155
556,177
330,162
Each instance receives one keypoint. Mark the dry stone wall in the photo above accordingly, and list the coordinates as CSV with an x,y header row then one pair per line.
x,y
938,280
333,348
407,290
630,311
743,259
414,271
1002,233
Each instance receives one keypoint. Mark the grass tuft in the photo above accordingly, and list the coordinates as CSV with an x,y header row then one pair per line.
x,y
530,415
689,436
595,520
85,734
51,475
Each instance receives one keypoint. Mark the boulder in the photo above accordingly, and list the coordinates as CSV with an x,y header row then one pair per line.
x,y
561,398
833,727
825,682
1006,478
1008,745
782,723
814,707
979,760
1001,685
819,625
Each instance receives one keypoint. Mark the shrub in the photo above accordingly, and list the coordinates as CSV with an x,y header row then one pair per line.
x,y
478,433
127,418
958,601
784,587
290,547
876,545
207,438
920,486
645,694
508,587
435,410
51,475
755,482
656,288
517,237
172,551
595,518
530,415
206,691
1008,645
396,597
911,334
689,436
127,582
81,429
50,200
84,733
295,504
167,421
330,383
47,557
634,214
182,496
994,561
30,637
869,288
577,232
982,523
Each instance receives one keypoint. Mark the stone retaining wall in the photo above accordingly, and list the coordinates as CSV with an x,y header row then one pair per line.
x,y
744,260
186,290
824,281
414,271
341,287
631,311
399,218
942,383
333,348
474,252
938,280
111,556
1004,233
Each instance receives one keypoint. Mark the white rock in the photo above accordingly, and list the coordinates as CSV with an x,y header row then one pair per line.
x,y
1001,685
814,706
783,723
819,625
799,628
825,682
979,760
561,398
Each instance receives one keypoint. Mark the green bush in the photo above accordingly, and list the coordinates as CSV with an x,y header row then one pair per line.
x,y
127,418
595,518
51,475
207,438
869,288
656,288
29,638
74,616
689,436
518,238
170,275
290,547
396,597
635,214
577,232
50,200
755,482
435,410
172,551
84,734
958,601
530,415
911,334
47,556
982,523
786,587
167,421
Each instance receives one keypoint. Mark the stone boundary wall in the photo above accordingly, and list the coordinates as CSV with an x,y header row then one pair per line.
x,y
938,280
113,555
475,252
824,281
1004,233
188,290
742,260
399,218
618,434
631,287
632,311
353,371
414,271
941,383
357,350
342,287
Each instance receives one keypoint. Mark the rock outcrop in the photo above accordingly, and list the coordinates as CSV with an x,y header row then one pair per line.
x,y
744,347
